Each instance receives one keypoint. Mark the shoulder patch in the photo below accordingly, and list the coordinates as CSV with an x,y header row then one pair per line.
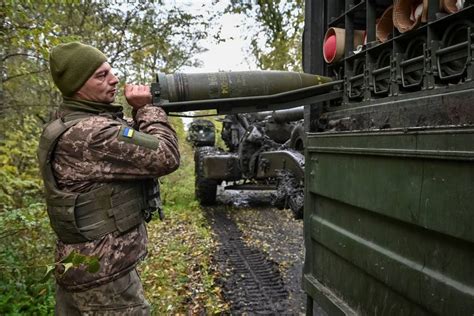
x,y
128,132
131,136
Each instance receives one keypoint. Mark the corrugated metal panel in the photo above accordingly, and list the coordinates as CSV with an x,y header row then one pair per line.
x,y
389,220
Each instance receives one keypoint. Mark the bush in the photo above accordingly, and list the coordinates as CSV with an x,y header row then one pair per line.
x,y
26,240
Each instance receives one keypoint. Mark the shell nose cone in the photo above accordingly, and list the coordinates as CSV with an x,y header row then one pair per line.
x,y
329,48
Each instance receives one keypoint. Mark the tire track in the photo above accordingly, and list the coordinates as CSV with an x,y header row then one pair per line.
x,y
251,282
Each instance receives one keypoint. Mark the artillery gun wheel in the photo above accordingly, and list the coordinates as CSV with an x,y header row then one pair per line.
x,y
297,139
296,204
205,190
289,194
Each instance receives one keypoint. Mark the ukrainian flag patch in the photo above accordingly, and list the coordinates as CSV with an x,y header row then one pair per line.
x,y
127,132
129,135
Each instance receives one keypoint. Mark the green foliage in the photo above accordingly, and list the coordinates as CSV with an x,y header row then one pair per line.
x,y
26,240
21,184
73,260
218,124
140,38
275,31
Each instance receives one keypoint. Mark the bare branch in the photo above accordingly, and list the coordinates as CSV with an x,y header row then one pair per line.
x,y
25,74
22,54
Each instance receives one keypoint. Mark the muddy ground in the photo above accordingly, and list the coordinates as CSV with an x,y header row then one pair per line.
x,y
259,255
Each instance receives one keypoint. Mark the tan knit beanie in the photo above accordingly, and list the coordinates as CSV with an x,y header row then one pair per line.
x,y
72,64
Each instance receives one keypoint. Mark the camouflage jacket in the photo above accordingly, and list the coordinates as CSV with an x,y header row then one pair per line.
x,y
90,153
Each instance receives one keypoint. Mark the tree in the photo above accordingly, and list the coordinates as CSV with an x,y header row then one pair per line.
x,y
275,31
140,39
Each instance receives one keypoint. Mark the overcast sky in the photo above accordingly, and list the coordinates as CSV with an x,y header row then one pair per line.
x,y
225,56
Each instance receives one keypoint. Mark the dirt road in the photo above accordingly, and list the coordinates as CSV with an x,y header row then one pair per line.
x,y
259,254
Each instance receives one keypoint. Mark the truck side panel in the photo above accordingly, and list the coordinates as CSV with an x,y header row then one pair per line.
x,y
389,169
389,220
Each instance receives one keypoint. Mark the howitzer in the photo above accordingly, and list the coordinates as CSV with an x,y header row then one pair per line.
x,y
265,151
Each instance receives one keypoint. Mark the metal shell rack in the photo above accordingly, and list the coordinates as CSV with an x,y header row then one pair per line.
x,y
434,54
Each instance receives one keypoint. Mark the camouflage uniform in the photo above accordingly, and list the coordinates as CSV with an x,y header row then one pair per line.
x,y
123,296
88,154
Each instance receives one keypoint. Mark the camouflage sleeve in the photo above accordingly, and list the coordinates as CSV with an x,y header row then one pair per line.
x,y
153,120
112,151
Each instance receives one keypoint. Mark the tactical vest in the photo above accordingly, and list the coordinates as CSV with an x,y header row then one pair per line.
x,y
82,217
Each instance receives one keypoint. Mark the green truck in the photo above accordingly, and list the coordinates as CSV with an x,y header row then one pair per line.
x,y
389,194
389,152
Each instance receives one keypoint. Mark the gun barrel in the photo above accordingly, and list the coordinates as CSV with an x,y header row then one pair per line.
x,y
282,116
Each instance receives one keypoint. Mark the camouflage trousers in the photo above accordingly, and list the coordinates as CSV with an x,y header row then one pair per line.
x,y
123,296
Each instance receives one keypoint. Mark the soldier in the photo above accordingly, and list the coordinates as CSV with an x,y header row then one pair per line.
x,y
99,173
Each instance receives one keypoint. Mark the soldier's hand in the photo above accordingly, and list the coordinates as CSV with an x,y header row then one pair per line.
x,y
137,95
